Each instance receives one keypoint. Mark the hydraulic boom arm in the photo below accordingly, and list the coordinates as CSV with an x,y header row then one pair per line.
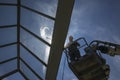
x,y
106,47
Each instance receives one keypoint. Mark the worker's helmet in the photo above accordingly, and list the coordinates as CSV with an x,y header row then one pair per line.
x,y
70,38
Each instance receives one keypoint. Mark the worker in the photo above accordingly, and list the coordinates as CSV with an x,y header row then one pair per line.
x,y
73,51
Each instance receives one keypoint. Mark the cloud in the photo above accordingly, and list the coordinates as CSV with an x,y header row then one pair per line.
x,y
44,33
48,7
47,37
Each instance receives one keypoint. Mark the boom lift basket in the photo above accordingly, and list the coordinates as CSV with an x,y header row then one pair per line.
x,y
90,67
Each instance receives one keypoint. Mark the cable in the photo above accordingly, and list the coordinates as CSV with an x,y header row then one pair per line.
x,y
64,64
63,69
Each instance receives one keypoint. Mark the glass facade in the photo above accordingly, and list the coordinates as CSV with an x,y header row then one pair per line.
x,y
26,30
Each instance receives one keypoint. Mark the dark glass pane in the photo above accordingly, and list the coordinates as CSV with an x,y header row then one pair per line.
x,y
36,46
39,68
48,7
8,35
8,15
28,73
8,1
38,24
8,67
8,52
16,76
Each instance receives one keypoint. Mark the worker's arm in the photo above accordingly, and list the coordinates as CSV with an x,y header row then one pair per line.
x,y
67,45
76,43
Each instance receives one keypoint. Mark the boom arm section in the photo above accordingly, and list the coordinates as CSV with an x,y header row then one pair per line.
x,y
105,47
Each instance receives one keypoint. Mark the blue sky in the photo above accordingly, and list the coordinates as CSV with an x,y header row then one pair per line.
x,y
92,19
97,20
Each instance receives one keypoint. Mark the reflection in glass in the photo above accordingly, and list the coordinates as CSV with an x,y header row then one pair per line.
x,y
27,72
48,7
38,67
37,24
36,46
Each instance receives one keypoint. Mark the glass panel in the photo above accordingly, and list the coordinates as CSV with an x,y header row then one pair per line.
x,y
8,35
8,1
27,72
8,67
16,76
38,24
48,7
39,68
36,46
8,15
8,52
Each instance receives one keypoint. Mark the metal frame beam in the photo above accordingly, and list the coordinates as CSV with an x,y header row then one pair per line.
x,y
8,26
18,32
8,60
9,44
8,74
61,26
7,4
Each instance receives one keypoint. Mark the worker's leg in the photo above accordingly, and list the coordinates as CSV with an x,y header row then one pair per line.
x,y
72,56
78,54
